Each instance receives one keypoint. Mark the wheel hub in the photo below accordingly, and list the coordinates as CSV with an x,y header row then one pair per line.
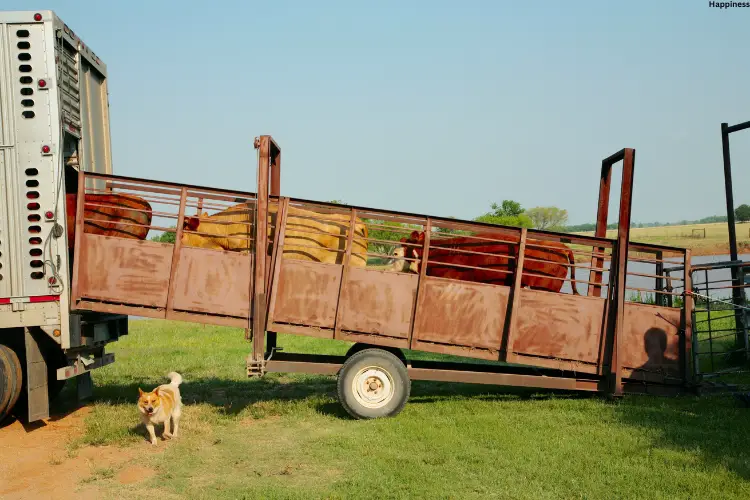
x,y
373,387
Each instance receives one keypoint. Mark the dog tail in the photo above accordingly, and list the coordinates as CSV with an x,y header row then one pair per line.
x,y
175,378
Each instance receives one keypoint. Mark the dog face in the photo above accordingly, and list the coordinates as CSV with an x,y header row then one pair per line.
x,y
149,402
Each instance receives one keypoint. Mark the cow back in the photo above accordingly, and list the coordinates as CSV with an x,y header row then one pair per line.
x,y
119,215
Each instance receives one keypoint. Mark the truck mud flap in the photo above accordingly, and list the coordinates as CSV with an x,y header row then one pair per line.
x,y
36,376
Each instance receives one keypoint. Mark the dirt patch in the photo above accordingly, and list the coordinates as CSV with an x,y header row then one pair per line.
x,y
37,462
134,474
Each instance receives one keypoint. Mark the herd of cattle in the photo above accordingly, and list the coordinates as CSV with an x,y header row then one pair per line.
x,y
321,237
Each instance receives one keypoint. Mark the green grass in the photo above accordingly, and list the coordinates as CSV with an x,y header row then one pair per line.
x,y
286,436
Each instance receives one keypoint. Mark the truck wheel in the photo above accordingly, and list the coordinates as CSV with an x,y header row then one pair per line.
x,y
11,379
373,383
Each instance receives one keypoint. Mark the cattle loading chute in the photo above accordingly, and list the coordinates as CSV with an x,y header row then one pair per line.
x,y
394,288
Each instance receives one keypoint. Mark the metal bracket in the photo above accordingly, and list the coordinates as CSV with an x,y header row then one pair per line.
x,y
256,368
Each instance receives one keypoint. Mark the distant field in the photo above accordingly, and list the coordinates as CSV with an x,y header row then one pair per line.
x,y
714,242
286,436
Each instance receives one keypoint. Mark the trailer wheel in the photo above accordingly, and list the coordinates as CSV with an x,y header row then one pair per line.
x,y
11,380
373,383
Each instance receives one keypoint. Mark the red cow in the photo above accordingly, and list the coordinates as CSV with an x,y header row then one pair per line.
x,y
548,265
124,216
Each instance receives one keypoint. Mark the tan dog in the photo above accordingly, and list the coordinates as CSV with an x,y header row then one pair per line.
x,y
160,405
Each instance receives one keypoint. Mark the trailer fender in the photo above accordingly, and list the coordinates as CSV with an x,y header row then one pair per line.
x,y
393,350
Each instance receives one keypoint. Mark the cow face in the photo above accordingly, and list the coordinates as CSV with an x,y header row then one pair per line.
x,y
191,223
409,252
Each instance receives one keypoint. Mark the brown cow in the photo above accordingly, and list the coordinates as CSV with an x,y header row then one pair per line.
x,y
121,215
313,236
548,265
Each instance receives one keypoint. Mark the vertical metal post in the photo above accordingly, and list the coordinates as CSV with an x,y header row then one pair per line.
x,y
344,273
276,192
687,315
78,237
176,252
512,317
258,295
601,228
419,298
736,292
660,281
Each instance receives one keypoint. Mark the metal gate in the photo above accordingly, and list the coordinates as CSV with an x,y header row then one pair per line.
x,y
721,317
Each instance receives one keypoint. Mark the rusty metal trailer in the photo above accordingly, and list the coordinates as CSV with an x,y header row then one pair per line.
x,y
598,340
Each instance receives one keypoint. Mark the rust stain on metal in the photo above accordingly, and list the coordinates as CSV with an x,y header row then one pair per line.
x,y
559,326
307,293
460,313
378,302
122,270
213,281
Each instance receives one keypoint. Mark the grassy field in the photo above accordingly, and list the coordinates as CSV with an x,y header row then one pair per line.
x,y
715,242
285,436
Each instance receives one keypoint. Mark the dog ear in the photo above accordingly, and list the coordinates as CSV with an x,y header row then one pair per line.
x,y
140,392
156,391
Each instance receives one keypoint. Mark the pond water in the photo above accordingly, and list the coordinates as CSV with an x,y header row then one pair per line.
x,y
648,268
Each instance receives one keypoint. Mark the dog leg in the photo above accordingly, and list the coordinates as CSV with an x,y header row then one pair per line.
x,y
167,434
150,428
176,414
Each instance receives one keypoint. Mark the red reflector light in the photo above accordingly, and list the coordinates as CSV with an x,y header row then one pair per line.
x,y
45,149
49,214
37,17
52,280
42,83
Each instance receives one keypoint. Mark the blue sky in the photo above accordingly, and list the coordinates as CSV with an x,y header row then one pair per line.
x,y
429,107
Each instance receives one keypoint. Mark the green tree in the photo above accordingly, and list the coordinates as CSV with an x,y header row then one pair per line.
x,y
548,217
742,213
509,213
165,237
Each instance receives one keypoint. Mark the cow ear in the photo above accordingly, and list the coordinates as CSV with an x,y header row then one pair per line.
x,y
403,239
414,235
421,237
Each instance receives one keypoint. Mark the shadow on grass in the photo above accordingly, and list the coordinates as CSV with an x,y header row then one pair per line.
x,y
715,427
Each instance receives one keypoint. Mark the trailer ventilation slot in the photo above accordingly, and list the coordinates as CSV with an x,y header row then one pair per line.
x,y
32,172
32,183
34,218
26,80
33,206
25,68
35,229
24,45
28,114
27,103
35,252
27,91
37,275
22,33
24,56
36,263
35,241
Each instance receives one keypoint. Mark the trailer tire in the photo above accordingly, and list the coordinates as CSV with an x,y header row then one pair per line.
x,y
11,380
373,383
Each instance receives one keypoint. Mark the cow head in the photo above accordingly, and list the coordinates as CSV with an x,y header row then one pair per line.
x,y
406,250
192,222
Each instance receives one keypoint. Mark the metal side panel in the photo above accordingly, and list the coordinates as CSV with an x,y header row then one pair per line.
x,y
36,377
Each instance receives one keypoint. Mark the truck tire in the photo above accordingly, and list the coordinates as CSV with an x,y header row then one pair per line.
x,y
373,383
11,380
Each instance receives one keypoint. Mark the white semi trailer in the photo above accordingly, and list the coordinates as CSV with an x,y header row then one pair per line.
x,y
54,122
